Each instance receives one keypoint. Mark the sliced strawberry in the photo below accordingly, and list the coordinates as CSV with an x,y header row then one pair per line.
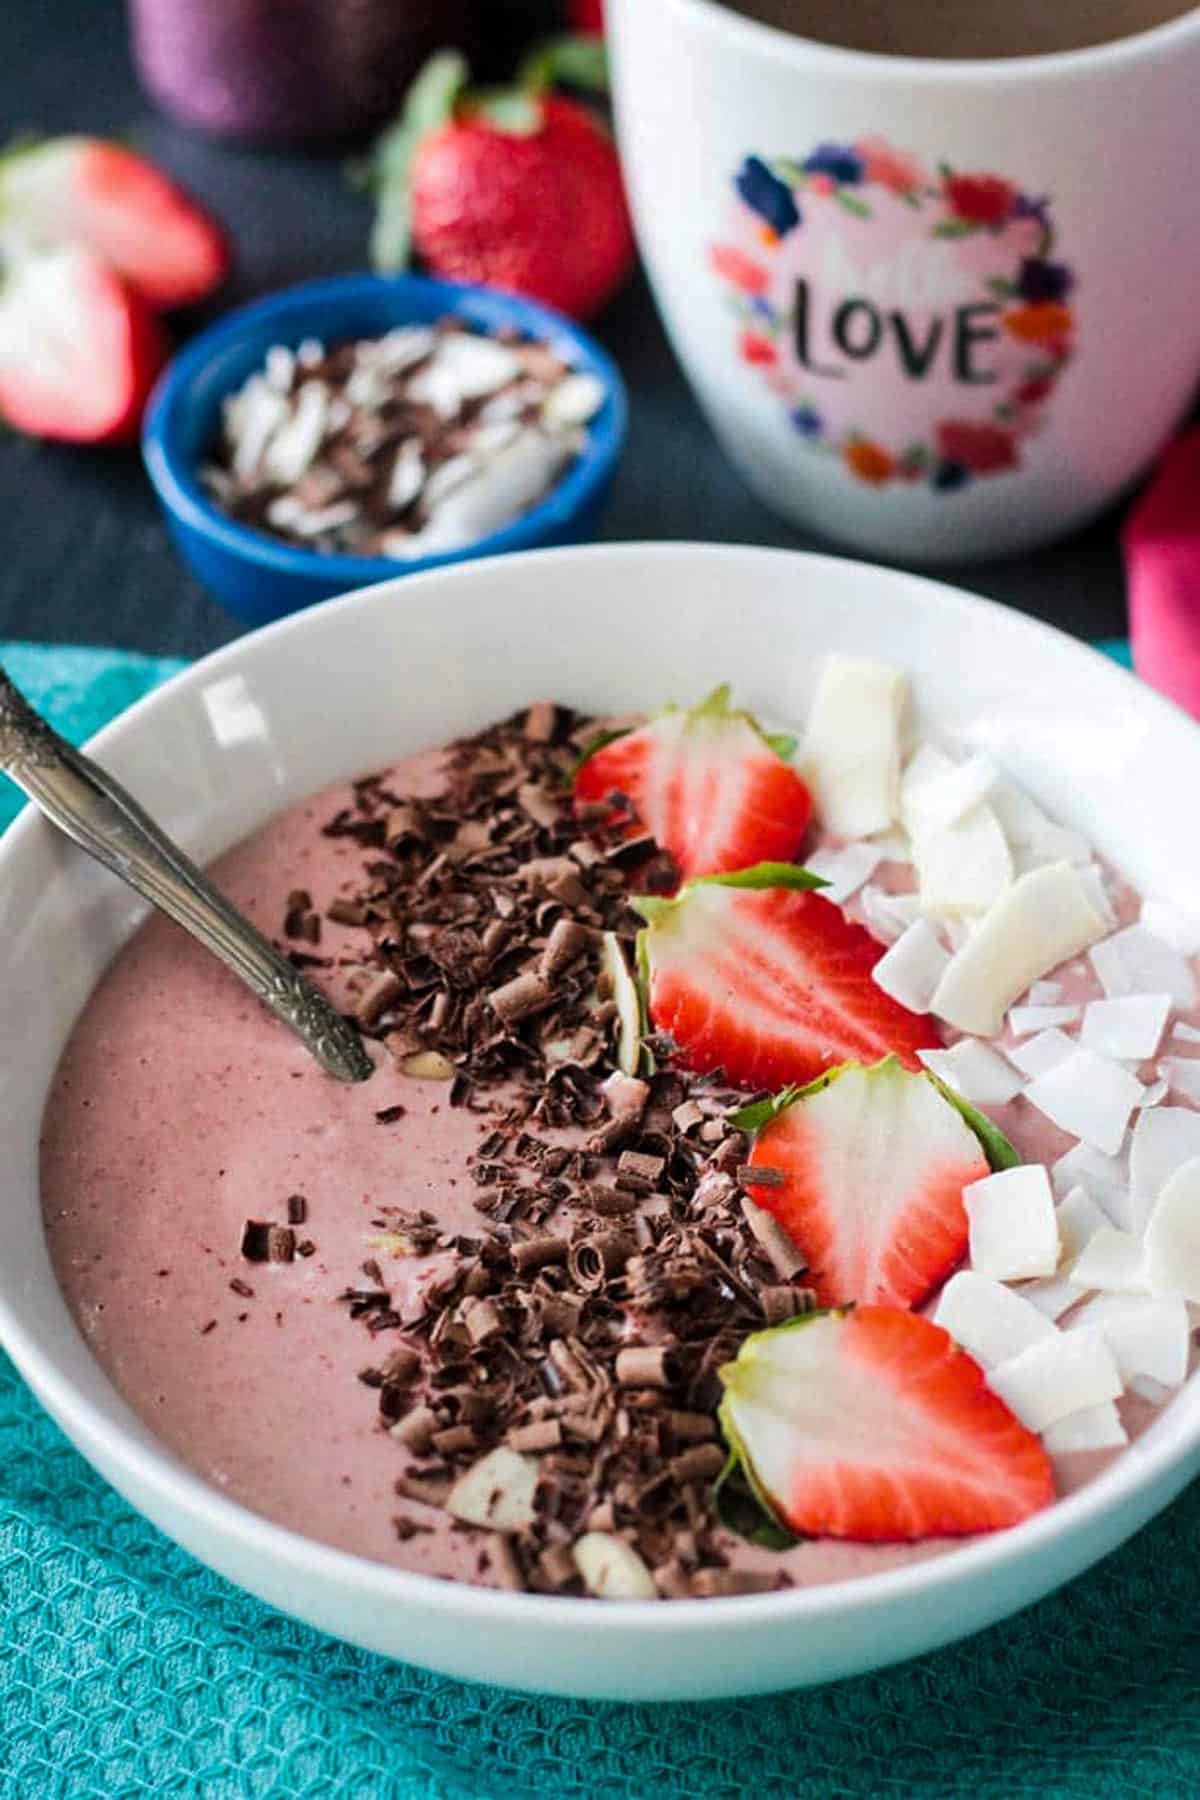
x,y
874,1164
86,191
751,974
706,784
871,1424
79,349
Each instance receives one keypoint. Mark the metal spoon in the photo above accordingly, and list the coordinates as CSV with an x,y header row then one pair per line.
x,y
76,795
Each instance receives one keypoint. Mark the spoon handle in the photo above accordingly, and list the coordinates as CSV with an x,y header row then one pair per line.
x,y
94,810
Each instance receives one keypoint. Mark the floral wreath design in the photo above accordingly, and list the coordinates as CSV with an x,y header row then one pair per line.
x,y
1034,299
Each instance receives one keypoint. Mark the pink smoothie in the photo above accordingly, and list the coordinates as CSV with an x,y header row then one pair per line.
x,y
180,1110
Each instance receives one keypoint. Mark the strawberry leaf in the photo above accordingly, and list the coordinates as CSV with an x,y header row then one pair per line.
x,y
508,110
741,1511
1001,1154
429,105
762,875
592,746
578,62
782,743
759,1113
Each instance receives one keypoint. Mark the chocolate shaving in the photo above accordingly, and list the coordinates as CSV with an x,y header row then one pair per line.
x,y
242,1288
648,1365
758,1175
297,1209
785,1258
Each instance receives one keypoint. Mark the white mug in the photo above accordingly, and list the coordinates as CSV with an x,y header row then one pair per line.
x,y
937,309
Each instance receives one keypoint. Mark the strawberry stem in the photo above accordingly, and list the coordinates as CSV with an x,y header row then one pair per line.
x,y
429,104
576,61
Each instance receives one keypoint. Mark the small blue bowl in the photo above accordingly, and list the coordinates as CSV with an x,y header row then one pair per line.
x,y
256,576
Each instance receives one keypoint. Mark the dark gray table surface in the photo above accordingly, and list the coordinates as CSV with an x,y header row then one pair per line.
x,y
84,555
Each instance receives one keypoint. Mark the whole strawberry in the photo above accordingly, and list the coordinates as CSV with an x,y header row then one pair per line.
x,y
517,188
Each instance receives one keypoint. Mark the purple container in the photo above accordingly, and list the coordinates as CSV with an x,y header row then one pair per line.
x,y
285,70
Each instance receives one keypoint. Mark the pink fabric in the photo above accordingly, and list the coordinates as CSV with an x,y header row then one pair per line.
x,y
1162,562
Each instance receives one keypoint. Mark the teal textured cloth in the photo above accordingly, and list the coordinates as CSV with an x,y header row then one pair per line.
x,y
127,1669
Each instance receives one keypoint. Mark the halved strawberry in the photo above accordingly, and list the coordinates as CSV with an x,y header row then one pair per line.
x,y
874,1163
79,349
871,1424
752,974
706,784
86,191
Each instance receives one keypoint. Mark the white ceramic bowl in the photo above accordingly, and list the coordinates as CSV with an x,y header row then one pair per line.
x,y
356,682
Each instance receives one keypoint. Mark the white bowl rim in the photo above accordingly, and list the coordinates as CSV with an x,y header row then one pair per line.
x,y
154,1468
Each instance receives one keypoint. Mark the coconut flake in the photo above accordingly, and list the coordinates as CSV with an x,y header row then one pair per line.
x,y
1090,1097
949,793
1156,1092
1134,961
1044,993
1023,1020
1037,923
1182,1075
1173,1235
1147,1336
844,871
1106,1179
911,970
964,868
1041,1053
975,1071
851,757
1079,1219
407,477
1129,1026
1186,1034
889,916
496,1492
1096,888
573,401
1113,1262
991,1322
612,1569
1057,1377
294,445
1053,1295
1091,1428
1173,925
1163,1141
1013,1229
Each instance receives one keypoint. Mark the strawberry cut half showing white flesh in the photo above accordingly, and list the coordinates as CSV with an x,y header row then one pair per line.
x,y
705,784
79,349
872,1425
127,212
752,974
874,1163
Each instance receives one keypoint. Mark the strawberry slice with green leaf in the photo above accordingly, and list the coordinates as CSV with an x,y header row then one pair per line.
x,y
707,784
873,1164
871,1424
757,974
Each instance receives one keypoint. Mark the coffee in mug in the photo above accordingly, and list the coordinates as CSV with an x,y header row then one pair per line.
x,y
961,28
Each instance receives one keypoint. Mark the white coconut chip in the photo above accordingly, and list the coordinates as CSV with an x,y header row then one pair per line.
x,y
1079,1219
1043,1052
1026,1019
1148,1336
888,916
1130,1025
1150,1390
851,755
976,1072
1053,1296
1088,1096
407,477
991,1322
911,970
950,792
573,401
1185,1034
296,443
1095,886
1013,1228
1163,1141
1106,1179
1156,1092
1113,1262
496,1492
612,1569
1173,1235
1057,1377
1173,925
844,871
964,868
1037,923
1182,1075
1134,961
1044,993
1091,1428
